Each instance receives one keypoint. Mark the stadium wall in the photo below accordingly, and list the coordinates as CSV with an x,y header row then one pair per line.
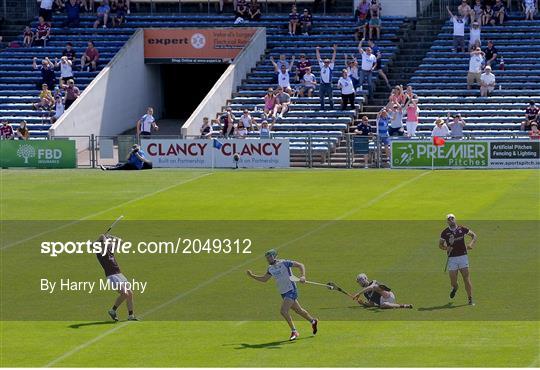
x,y
402,8
227,83
117,97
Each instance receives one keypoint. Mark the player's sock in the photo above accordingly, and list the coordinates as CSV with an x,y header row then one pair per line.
x,y
314,323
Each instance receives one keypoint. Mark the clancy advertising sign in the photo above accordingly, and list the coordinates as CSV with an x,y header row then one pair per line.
x,y
253,153
38,153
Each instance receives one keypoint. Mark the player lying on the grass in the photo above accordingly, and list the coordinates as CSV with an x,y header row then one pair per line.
x,y
377,294
453,242
281,271
115,276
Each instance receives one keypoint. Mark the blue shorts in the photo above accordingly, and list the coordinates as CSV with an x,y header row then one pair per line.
x,y
291,294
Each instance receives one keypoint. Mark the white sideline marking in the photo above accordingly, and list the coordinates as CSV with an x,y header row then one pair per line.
x,y
104,211
234,268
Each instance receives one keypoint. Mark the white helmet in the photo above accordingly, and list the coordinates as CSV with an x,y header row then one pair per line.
x,y
362,279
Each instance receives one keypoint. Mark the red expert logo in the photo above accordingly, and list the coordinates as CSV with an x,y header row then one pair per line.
x,y
264,149
176,149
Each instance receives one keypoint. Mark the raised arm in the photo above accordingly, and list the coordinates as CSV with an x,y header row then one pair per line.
x,y
318,53
346,65
360,50
334,53
262,278
449,12
274,64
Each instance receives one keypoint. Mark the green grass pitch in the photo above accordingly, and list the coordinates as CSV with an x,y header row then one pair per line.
x,y
202,310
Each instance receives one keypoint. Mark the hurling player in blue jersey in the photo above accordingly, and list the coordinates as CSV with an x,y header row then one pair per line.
x,y
281,271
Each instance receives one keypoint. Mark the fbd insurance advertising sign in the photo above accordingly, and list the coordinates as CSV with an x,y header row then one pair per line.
x,y
38,153
466,154
252,153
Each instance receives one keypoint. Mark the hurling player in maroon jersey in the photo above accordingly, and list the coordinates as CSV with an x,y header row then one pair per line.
x,y
453,242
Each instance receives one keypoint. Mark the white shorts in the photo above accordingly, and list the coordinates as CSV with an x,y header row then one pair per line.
x,y
118,279
459,262
390,299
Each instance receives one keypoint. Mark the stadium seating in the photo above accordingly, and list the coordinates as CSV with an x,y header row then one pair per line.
x,y
440,80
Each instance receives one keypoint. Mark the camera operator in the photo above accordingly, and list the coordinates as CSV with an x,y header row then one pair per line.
x,y
135,161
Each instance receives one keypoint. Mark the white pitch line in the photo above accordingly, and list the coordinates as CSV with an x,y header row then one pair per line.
x,y
232,269
104,211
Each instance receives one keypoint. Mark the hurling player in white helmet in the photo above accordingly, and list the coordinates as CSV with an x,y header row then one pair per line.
x,y
377,294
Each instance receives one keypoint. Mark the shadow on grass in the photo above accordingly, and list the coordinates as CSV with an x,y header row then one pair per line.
x,y
449,305
77,326
370,309
269,345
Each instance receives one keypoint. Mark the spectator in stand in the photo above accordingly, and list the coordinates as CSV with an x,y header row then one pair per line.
x,y
73,13
477,12
283,101
534,134
363,128
475,67
306,22
6,131
45,98
90,58
206,129
499,13
136,160
487,82
303,65
28,37
294,17
45,10
241,11
347,90
487,15
47,73
352,70
459,31
464,10
440,129
378,66
456,125
226,123
240,131
283,76
119,8
529,8
475,36
309,82
247,120
265,130
375,19
254,11
412,111
396,120
43,32
102,14
59,6
397,96
532,114
22,133
58,108
72,93
69,52
88,5
326,66
361,17
147,123
269,103
490,53
66,70
383,122
369,62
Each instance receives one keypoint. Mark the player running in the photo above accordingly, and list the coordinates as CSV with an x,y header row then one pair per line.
x,y
281,271
453,242
377,294
113,274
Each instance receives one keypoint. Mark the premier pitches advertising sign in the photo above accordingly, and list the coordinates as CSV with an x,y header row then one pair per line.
x,y
215,45
253,153
38,153
466,154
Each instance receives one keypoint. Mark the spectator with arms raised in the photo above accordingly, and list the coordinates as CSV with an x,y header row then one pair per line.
x,y
326,66
369,62
347,90
440,129
475,67
47,73
459,31
456,125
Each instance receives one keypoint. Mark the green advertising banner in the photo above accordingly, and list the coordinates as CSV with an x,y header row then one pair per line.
x,y
420,154
38,153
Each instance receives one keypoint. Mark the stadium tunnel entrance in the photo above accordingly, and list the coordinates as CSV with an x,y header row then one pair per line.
x,y
184,86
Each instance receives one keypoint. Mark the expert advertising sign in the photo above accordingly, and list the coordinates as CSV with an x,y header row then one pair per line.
x,y
256,153
213,45
466,154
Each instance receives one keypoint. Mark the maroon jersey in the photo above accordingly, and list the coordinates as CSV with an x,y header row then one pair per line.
x,y
108,262
455,239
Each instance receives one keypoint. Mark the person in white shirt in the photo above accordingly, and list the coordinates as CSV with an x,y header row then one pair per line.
x,y
440,129
309,81
58,108
475,67
147,123
487,82
347,90
280,270
326,76
475,36
247,120
459,31
66,70
283,76
45,10
369,62
529,6
352,68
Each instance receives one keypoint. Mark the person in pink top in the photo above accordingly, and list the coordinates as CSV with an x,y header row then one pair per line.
x,y
269,102
411,108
